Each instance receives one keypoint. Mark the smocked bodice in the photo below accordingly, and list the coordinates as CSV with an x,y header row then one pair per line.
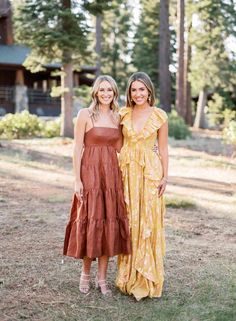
x,y
102,136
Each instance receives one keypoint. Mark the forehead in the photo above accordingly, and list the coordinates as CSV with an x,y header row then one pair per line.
x,y
137,84
105,84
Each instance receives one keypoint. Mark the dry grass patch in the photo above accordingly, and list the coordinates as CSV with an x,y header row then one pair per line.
x,y
36,286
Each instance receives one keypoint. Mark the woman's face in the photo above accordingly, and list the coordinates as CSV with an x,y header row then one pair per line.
x,y
139,92
105,93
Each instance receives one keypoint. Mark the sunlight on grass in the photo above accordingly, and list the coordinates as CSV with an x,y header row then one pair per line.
x,y
43,141
234,199
57,199
27,162
180,202
219,163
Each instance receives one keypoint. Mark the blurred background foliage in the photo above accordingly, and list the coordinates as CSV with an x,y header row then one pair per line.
x,y
121,37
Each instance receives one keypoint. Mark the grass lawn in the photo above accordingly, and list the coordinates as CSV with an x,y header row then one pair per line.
x,y
38,283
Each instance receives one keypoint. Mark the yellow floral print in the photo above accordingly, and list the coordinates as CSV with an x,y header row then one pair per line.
x,y
142,273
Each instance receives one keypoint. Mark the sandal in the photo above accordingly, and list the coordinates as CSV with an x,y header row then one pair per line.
x,y
84,283
102,285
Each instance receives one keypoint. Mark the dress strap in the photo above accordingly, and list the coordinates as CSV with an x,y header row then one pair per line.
x,y
92,120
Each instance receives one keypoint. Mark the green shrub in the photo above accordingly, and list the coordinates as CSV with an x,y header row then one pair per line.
x,y
177,127
20,125
51,128
84,94
26,125
220,110
229,133
229,115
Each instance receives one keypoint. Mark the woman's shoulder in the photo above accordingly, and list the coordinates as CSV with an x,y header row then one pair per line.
x,y
84,113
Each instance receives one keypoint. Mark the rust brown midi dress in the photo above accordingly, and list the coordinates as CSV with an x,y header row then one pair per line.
x,y
99,225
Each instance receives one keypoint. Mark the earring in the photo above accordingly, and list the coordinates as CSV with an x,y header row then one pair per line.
x,y
149,99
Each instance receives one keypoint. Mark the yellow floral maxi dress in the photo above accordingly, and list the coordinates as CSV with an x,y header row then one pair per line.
x,y
142,273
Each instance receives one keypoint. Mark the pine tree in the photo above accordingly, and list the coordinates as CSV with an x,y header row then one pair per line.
x,y
183,85
164,57
97,9
116,26
56,31
212,68
187,63
180,87
146,47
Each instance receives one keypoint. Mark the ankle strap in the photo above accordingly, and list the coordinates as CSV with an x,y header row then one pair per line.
x,y
83,275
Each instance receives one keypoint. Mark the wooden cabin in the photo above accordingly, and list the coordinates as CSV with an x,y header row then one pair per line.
x,y
19,88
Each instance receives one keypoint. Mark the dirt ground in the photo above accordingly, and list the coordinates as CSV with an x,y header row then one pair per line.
x,y
38,283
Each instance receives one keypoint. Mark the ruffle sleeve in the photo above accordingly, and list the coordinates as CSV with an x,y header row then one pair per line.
x,y
157,118
123,112
161,116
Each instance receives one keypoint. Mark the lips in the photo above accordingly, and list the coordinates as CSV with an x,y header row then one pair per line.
x,y
106,100
138,99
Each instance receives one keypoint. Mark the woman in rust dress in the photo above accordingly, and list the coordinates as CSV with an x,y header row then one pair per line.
x,y
98,225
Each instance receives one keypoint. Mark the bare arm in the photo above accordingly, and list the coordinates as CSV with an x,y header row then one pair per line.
x,y
79,131
163,150
119,143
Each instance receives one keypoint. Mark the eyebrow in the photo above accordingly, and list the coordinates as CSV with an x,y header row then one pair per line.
x,y
105,88
138,87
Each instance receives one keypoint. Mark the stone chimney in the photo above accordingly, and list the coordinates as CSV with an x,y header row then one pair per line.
x,y
6,33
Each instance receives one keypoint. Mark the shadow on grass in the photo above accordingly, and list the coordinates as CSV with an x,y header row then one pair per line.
x,y
203,184
20,154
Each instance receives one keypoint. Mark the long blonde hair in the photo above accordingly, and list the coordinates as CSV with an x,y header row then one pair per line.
x,y
94,106
145,79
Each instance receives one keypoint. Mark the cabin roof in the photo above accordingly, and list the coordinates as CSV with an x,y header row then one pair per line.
x,y
13,54
16,55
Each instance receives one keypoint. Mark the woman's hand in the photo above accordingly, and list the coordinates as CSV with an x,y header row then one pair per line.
x,y
79,190
162,186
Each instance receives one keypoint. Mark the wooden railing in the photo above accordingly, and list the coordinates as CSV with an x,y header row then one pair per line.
x,y
37,96
37,100
7,94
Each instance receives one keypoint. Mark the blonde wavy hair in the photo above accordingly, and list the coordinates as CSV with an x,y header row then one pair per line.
x,y
145,79
94,106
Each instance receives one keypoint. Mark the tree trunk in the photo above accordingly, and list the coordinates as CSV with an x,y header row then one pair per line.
x,y
66,100
115,55
188,102
67,86
98,47
180,106
200,121
164,57
187,84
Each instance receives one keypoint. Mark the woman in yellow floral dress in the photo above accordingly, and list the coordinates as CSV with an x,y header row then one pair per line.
x,y
144,175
